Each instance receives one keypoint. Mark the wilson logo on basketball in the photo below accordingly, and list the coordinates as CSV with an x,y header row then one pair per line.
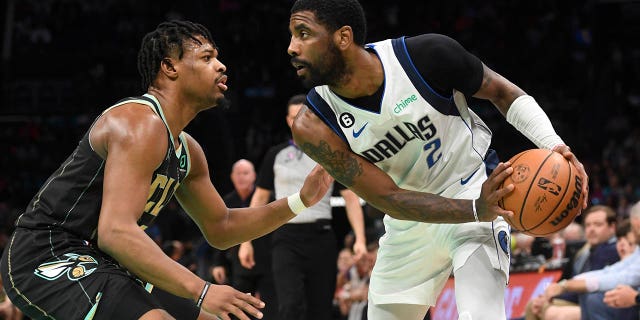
x,y
573,203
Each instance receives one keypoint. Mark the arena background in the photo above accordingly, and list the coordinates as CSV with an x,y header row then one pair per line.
x,y
65,61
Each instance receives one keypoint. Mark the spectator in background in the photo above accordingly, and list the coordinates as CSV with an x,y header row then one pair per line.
x,y
243,177
352,296
624,296
257,280
573,232
592,285
304,251
521,257
344,264
626,243
598,252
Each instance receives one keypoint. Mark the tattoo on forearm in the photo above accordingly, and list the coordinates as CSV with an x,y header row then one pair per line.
x,y
417,206
342,166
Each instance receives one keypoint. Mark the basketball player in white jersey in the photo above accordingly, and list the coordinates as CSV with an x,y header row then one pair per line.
x,y
389,120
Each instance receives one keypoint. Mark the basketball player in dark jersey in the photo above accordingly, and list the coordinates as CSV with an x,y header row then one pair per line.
x,y
80,251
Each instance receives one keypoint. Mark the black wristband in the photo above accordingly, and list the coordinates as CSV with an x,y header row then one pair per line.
x,y
207,284
638,299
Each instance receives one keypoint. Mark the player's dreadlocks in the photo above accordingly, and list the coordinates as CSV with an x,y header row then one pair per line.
x,y
168,38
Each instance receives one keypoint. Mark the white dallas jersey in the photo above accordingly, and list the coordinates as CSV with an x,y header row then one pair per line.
x,y
426,142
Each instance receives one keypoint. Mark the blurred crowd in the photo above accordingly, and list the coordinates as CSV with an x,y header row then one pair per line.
x,y
64,61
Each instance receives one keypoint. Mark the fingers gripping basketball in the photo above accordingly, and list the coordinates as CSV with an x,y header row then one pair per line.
x,y
547,194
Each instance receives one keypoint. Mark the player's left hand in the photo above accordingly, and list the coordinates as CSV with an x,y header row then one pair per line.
x,y
315,186
223,301
565,151
622,296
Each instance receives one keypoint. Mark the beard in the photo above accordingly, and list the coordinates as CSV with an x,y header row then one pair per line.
x,y
330,71
223,103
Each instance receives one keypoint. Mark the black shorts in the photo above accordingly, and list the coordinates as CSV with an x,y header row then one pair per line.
x,y
50,273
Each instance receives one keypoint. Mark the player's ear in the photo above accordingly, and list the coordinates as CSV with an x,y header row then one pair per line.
x,y
343,37
167,67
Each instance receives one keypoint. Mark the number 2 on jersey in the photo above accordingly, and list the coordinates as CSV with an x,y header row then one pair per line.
x,y
432,148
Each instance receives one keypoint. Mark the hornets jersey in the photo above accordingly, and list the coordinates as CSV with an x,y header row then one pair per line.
x,y
425,141
71,198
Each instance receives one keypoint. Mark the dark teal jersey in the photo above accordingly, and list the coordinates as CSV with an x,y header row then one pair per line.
x,y
71,197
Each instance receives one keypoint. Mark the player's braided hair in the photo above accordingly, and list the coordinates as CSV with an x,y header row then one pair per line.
x,y
165,40
335,14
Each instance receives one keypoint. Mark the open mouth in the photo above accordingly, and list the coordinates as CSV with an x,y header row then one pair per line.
x,y
299,65
222,83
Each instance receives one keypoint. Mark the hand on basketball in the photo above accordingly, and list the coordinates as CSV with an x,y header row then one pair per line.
x,y
225,300
492,191
565,151
315,186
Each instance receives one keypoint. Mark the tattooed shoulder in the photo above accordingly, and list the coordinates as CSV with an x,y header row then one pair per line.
x,y
343,166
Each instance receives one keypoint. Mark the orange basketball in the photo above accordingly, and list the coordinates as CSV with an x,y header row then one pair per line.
x,y
547,194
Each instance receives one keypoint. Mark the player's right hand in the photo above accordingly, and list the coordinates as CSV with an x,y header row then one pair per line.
x,y
222,300
492,191
565,151
245,255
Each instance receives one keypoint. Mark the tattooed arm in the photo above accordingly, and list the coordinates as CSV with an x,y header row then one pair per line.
x,y
378,189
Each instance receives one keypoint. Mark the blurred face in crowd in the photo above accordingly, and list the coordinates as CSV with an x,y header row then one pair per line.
x,y
573,232
626,245
345,259
596,228
243,175
635,226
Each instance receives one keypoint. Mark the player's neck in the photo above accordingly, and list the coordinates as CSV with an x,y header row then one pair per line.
x,y
177,113
363,78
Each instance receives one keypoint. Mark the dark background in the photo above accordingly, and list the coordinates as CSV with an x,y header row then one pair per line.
x,y
64,61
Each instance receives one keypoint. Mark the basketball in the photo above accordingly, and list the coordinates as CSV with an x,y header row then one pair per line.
x,y
547,194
